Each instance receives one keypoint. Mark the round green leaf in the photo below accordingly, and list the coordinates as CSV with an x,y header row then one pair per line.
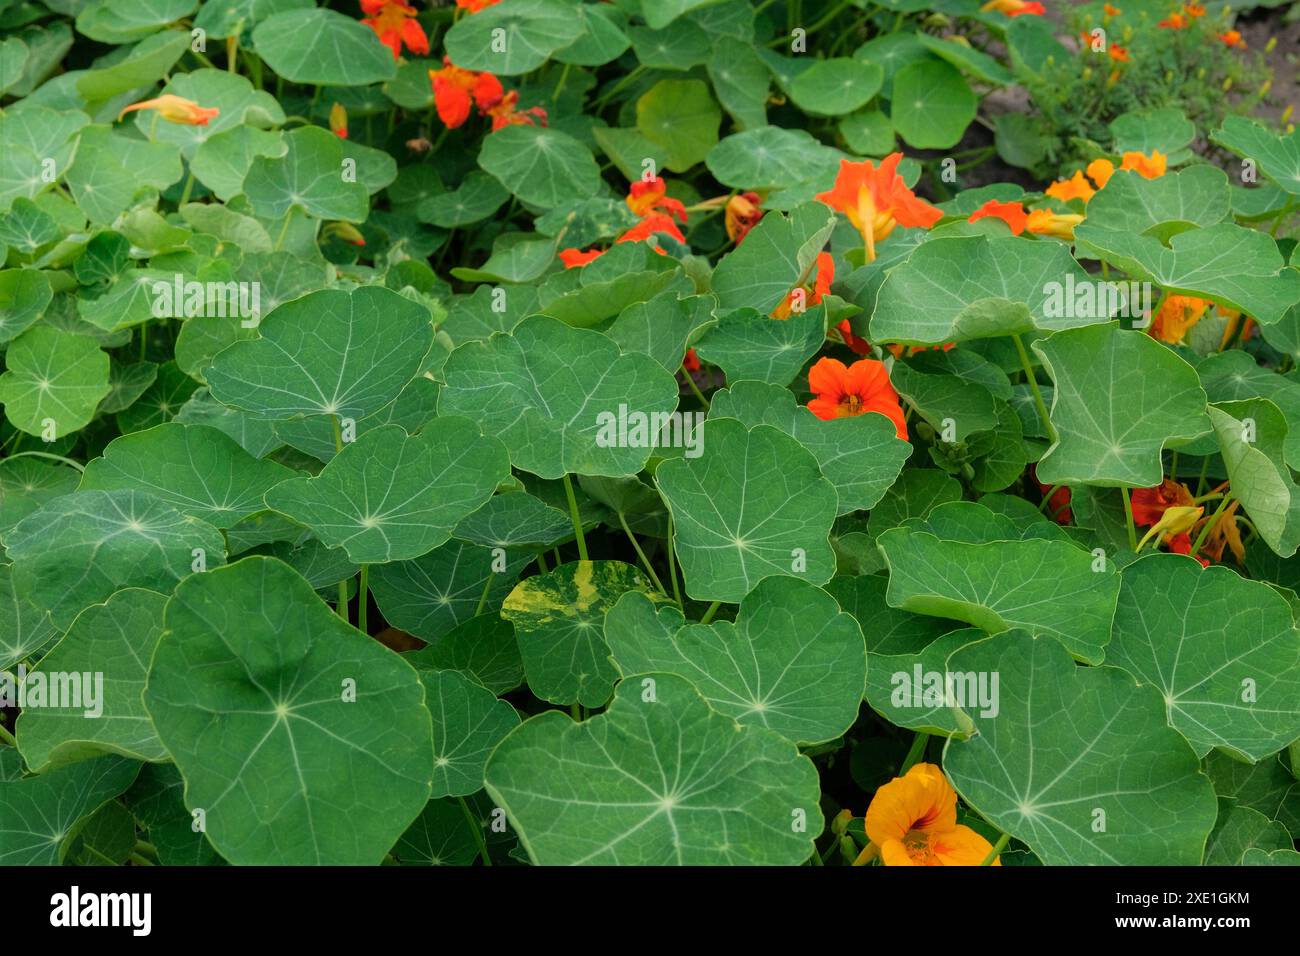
x,y
1120,397
550,392
25,629
390,497
310,176
680,117
1222,650
322,48
483,649
54,381
658,779
1078,762
301,739
836,86
512,37
468,721
330,352
753,505
932,105
80,548
793,662
197,470
24,296
541,166
41,811
108,648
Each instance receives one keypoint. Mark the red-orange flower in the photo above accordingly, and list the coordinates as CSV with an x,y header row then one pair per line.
x,y
474,6
804,296
394,23
742,214
876,200
1118,53
1193,10
1175,21
456,90
175,109
655,222
1233,38
573,258
691,361
1012,213
648,196
1150,504
506,112
1015,8
1111,11
856,390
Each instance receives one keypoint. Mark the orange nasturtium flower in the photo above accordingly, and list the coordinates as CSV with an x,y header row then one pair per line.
x,y
176,109
339,120
1175,21
876,200
1148,167
1111,11
394,23
1014,8
1233,38
805,295
1225,533
1044,222
1150,504
474,6
1193,10
648,196
1118,53
1178,314
742,214
912,821
860,388
1012,213
573,258
456,91
1076,187
505,112
647,227
1100,171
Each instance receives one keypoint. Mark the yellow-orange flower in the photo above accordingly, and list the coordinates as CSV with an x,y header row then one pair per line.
x,y
1193,10
175,109
1076,187
742,214
648,196
825,275
339,120
1044,222
1175,21
912,821
1148,167
1178,314
1111,11
1100,171
876,200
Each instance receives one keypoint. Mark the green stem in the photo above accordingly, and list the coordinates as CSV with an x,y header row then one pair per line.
x,y
1047,498
482,598
1033,386
1282,215
45,454
541,561
1205,468
144,339
997,848
284,229
575,712
361,598
672,564
713,609
696,389
916,752
138,860
636,545
189,188
1214,519
1128,519
8,737
1173,466
477,828
577,522
834,12
145,848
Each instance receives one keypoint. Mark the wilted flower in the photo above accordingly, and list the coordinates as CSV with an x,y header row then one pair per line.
x,y
175,109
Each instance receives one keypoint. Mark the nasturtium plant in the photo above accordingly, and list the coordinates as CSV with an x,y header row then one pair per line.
x,y
655,432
